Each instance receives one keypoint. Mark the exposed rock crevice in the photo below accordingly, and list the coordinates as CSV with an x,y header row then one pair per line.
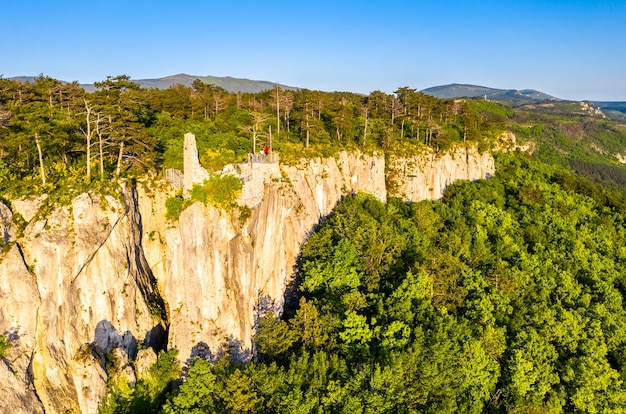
x,y
140,270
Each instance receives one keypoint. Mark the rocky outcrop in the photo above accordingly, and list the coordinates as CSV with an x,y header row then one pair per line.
x,y
104,273
194,173
223,273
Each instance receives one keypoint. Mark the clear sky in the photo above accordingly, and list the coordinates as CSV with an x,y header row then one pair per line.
x,y
569,49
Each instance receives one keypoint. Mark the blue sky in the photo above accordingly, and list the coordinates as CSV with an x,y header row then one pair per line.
x,y
569,49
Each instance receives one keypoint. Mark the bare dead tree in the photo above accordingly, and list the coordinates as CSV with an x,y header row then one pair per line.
x,y
41,167
259,119
287,103
277,93
89,130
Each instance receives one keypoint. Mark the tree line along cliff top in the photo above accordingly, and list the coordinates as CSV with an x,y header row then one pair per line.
x,y
54,133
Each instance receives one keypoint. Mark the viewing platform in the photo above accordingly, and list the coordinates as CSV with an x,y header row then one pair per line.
x,y
270,158
259,169
176,177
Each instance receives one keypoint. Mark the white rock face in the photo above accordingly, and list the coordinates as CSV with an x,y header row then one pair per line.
x,y
143,362
426,177
104,273
19,300
219,269
83,288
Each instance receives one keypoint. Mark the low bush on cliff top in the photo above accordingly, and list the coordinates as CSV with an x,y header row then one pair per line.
x,y
174,206
219,191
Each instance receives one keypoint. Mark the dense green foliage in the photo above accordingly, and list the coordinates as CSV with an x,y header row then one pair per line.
x,y
506,296
56,137
147,395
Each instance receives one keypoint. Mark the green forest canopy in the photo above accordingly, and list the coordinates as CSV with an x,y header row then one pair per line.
x,y
505,296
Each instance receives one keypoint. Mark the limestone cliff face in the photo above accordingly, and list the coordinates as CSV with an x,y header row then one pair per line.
x,y
19,300
83,288
222,273
426,177
104,273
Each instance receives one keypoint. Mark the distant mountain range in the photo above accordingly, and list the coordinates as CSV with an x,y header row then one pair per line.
x,y
514,96
226,82
518,98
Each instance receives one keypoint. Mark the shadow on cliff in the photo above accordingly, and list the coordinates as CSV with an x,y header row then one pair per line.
x,y
292,295
107,337
232,349
138,381
8,341
138,264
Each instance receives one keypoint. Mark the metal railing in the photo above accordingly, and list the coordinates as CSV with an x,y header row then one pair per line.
x,y
271,158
